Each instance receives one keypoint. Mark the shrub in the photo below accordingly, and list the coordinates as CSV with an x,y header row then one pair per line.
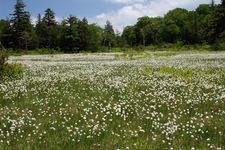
x,y
8,70
218,45
11,71
3,57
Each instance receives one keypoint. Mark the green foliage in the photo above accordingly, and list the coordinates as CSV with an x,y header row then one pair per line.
x,y
48,31
217,28
201,26
170,32
11,71
218,45
6,34
49,17
179,46
178,26
21,26
8,70
69,38
83,34
3,57
129,35
41,51
184,74
147,70
94,38
109,39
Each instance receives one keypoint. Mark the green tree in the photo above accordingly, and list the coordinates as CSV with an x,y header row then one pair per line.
x,y
6,34
129,35
69,40
41,30
119,40
109,35
70,21
204,15
170,31
94,37
217,26
49,17
3,24
140,29
21,25
48,31
152,31
83,34
176,20
192,29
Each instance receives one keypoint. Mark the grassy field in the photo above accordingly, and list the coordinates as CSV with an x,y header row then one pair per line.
x,y
137,101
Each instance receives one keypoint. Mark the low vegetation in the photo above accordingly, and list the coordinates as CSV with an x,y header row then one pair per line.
x,y
8,71
97,101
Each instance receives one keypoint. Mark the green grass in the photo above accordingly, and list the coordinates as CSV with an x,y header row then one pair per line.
x,y
12,52
129,53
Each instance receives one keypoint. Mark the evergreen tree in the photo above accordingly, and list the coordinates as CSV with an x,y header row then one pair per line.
x,y
69,39
71,20
47,30
6,34
49,17
83,33
21,25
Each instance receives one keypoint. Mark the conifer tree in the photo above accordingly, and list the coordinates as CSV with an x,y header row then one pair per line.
x,y
21,25
49,17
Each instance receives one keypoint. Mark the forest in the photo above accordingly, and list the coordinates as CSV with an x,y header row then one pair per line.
x,y
204,25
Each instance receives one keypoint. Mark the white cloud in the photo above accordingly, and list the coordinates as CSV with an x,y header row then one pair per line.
x,y
133,9
126,1
33,20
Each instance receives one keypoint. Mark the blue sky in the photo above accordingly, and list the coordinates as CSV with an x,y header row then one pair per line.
x,y
120,12
88,8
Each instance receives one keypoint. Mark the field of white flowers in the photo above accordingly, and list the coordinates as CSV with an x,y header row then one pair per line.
x,y
155,100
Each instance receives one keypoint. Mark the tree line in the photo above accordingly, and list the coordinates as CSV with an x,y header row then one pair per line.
x,y
205,25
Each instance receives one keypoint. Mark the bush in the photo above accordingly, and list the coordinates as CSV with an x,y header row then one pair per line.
x,y
218,45
3,57
11,71
8,70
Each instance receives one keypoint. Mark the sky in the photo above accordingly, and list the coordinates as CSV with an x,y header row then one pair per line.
x,y
119,12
